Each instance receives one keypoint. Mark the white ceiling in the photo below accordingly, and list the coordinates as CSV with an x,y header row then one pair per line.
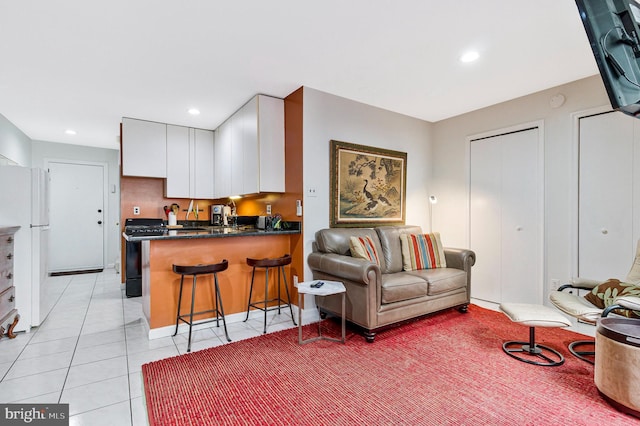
x,y
83,65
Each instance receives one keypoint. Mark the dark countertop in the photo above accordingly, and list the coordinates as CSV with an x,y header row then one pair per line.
x,y
210,232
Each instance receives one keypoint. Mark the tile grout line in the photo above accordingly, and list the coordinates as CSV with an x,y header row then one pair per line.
x,y
33,335
78,339
126,351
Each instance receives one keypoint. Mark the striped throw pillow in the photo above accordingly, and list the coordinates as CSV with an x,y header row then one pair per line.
x,y
364,248
422,251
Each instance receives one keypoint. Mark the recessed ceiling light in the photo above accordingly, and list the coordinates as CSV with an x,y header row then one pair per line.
x,y
469,56
194,111
70,132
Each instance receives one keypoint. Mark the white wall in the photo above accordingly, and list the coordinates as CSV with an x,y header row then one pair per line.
x,y
43,151
328,117
450,165
14,144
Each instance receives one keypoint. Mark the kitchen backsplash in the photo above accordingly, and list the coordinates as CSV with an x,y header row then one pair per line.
x,y
148,195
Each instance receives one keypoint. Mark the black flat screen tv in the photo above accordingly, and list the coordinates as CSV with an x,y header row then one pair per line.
x,y
613,30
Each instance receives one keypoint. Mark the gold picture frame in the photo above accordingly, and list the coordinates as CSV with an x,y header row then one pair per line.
x,y
368,186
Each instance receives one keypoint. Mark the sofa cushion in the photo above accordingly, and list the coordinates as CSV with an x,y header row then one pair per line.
x,y
364,248
402,286
422,251
389,237
442,280
336,240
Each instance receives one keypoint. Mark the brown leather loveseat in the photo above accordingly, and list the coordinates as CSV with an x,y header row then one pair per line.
x,y
379,296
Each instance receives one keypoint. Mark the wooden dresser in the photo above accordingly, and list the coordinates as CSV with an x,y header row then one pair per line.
x,y
8,313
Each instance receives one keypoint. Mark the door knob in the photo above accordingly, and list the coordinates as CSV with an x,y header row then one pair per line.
x,y
518,228
99,210
99,222
604,231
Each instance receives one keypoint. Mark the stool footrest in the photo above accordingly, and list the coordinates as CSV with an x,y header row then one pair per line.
x,y
213,311
269,308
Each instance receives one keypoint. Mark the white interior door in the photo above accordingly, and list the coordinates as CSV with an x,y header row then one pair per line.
x,y
76,240
506,220
606,240
485,209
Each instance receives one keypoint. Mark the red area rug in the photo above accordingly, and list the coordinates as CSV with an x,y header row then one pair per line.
x,y
447,369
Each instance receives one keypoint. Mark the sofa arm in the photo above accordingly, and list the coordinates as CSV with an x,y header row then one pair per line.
x,y
459,258
347,267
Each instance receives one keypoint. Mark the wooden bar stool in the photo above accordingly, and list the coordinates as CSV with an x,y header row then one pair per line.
x,y
278,263
196,270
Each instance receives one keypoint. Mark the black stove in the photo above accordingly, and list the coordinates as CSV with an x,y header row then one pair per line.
x,y
144,227
143,231
133,253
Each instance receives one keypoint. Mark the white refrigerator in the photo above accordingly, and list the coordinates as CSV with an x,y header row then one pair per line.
x,y
24,201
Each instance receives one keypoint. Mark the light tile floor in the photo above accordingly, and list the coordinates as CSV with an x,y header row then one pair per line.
x,y
90,349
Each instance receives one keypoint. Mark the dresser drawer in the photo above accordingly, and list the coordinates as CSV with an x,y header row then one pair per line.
x,y
6,253
6,240
7,300
6,279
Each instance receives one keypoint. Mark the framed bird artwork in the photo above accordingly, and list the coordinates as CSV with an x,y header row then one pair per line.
x,y
368,185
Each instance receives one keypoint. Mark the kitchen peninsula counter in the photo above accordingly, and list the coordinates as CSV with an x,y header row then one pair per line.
x,y
210,232
160,285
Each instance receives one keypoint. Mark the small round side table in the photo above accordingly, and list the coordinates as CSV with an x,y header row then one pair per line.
x,y
329,288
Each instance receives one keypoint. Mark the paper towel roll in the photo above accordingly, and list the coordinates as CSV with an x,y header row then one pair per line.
x,y
173,220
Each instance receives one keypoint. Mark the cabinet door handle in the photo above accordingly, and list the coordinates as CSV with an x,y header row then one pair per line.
x,y
10,256
12,298
10,240
9,275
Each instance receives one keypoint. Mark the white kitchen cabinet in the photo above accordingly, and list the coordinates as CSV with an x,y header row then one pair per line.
x,y
222,158
144,148
190,163
203,173
270,133
238,125
250,149
179,171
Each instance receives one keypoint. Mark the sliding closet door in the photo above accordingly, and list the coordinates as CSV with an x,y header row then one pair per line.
x,y
606,240
506,217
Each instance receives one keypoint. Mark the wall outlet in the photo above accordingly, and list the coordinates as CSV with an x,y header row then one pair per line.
x,y
312,191
554,284
298,208
136,210
295,281
268,208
